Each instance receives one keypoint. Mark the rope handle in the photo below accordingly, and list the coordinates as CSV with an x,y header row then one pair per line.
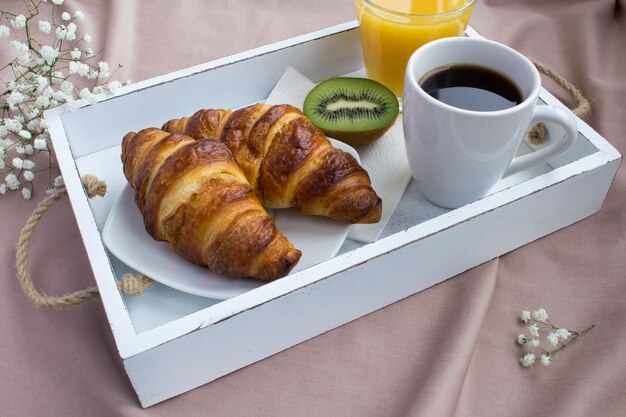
x,y
131,284
136,284
539,133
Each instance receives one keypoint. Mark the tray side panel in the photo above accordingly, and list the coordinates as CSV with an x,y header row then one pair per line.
x,y
227,85
209,353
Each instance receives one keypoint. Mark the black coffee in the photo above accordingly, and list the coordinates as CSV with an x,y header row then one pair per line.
x,y
472,87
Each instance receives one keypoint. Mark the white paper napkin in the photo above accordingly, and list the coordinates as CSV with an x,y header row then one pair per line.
x,y
384,159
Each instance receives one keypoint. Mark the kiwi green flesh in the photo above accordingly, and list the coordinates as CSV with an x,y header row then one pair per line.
x,y
355,110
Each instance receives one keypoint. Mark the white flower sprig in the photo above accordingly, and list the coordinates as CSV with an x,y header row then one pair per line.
x,y
555,336
57,68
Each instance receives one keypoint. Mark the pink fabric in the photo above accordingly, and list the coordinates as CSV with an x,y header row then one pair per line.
x,y
447,351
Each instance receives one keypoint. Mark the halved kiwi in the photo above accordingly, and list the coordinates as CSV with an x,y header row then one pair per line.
x,y
353,110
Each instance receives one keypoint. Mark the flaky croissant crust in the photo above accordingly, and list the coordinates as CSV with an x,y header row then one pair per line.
x,y
288,161
194,195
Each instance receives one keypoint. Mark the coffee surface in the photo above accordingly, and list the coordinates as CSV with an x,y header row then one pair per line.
x,y
472,87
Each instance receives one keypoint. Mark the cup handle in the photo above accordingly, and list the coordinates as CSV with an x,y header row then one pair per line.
x,y
545,113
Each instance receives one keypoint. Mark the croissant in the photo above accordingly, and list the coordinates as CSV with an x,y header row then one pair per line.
x,y
194,195
288,161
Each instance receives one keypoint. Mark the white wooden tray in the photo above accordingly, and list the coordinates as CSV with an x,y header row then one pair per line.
x,y
171,342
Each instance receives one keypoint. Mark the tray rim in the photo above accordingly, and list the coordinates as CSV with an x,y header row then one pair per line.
x,y
130,343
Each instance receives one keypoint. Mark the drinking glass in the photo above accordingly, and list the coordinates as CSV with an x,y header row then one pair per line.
x,y
391,30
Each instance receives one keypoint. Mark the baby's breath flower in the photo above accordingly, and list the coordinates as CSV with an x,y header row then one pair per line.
x,y
19,47
522,339
534,330
61,31
71,105
34,112
73,67
103,70
44,26
525,316
67,87
553,339
32,126
19,21
14,125
49,54
540,315
527,360
79,68
26,193
4,33
12,182
38,84
6,143
42,102
563,333
40,144
545,359
58,182
48,92
114,86
85,94
61,95
534,342
42,82
14,99
25,134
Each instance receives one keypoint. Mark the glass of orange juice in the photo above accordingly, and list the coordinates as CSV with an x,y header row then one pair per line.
x,y
391,30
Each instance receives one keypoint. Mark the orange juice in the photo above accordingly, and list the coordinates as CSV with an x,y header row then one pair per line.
x,y
391,30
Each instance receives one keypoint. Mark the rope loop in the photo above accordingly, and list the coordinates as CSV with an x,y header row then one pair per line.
x,y
132,284
539,133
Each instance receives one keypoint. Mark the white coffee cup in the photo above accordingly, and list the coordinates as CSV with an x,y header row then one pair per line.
x,y
457,155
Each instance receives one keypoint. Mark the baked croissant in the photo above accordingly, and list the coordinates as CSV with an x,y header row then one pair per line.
x,y
193,195
288,161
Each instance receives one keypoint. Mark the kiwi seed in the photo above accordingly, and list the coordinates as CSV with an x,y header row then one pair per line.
x,y
353,110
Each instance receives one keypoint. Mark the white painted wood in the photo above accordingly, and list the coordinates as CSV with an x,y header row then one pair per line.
x,y
249,336
170,343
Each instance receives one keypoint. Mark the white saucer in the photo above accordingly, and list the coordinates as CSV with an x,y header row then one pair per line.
x,y
318,238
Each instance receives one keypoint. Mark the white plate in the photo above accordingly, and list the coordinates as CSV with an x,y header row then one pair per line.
x,y
318,238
